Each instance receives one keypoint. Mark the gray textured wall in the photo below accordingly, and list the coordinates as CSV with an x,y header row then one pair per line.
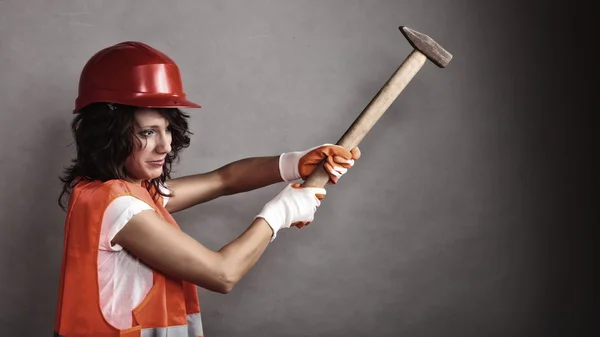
x,y
459,220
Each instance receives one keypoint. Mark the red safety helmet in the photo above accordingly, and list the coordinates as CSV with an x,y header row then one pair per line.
x,y
132,73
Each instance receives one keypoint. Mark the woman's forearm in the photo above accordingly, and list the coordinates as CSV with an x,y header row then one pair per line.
x,y
250,173
240,255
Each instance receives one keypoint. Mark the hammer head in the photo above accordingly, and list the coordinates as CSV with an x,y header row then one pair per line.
x,y
426,45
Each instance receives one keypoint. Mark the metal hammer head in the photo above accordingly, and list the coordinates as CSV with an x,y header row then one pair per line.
x,y
426,45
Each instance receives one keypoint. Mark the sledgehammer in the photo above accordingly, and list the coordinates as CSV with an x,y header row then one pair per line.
x,y
424,48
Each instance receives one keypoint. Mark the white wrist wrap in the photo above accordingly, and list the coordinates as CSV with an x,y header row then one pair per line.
x,y
275,216
288,165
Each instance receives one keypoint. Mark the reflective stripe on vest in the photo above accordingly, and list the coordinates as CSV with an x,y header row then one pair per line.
x,y
195,325
192,329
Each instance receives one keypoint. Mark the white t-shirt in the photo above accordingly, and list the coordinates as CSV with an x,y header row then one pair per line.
x,y
123,280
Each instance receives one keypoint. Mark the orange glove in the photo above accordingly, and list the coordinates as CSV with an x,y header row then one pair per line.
x,y
300,164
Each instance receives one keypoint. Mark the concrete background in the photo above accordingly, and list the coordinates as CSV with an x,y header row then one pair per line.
x,y
466,215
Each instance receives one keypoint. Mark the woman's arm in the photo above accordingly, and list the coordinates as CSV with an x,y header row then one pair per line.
x,y
168,249
239,176
175,253
252,173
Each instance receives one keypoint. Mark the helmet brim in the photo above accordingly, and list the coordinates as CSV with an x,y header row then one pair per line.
x,y
150,101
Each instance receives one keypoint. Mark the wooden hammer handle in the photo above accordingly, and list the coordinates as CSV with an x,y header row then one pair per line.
x,y
372,112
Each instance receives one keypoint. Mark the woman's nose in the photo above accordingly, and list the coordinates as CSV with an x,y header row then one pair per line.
x,y
164,144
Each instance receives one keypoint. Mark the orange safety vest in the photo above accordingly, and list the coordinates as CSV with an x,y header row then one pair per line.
x,y
171,306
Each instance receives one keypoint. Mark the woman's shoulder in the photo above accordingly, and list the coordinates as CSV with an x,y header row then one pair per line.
x,y
113,186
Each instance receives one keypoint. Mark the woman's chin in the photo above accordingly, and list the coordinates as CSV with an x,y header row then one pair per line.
x,y
148,176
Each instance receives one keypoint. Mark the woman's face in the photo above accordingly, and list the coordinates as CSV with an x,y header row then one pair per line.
x,y
154,137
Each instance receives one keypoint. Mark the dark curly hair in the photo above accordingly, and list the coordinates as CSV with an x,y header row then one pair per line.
x,y
104,139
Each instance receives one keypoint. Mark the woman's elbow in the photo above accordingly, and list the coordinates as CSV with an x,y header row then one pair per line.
x,y
219,275
227,281
225,288
217,286
221,282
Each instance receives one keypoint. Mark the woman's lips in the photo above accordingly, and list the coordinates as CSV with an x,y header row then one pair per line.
x,y
157,162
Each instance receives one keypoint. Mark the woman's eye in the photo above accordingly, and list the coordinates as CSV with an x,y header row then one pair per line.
x,y
146,133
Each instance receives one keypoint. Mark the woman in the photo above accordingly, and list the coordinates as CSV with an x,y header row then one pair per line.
x,y
128,270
